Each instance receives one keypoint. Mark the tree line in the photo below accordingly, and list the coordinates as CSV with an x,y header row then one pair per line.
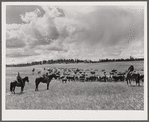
x,y
67,61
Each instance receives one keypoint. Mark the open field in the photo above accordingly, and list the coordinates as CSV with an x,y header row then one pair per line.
x,y
76,95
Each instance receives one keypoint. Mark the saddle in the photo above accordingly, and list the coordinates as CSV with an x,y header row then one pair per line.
x,y
19,83
45,78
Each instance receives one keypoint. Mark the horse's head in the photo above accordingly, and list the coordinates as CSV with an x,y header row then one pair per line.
x,y
52,76
26,79
55,76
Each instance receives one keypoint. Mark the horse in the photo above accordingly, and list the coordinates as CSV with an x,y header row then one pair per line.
x,y
44,80
133,77
15,83
141,78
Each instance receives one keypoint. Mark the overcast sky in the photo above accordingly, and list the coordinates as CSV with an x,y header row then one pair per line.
x,y
36,33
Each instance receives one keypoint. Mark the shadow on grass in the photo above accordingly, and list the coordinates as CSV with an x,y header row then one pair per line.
x,y
9,93
24,92
135,86
40,90
19,93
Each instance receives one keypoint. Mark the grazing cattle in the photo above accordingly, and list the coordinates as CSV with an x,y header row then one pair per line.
x,y
64,79
70,78
93,78
39,72
50,70
118,77
87,78
109,78
76,77
114,70
82,78
88,75
103,78
98,78
92,72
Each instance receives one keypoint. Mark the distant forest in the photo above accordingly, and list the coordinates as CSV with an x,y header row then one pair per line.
x,y
67,61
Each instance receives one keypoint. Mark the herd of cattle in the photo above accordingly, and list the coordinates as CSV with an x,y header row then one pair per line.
x,y
84,75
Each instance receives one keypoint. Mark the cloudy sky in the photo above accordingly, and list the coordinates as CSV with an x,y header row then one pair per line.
x,y
43,32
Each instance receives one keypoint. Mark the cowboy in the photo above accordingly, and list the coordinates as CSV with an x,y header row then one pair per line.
x,y
45,74
19,79
130,69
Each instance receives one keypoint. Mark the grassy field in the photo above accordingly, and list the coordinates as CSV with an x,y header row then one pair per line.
x,y
76,95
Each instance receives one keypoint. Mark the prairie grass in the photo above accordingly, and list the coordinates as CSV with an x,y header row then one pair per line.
x,y
74,95
79,96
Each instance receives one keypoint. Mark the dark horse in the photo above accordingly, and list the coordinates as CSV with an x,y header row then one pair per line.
x,y
44,80
15,83
133,77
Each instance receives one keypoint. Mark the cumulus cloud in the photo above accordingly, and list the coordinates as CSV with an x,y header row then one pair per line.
x,y
86,32
30,16
111,26
14,39
20,52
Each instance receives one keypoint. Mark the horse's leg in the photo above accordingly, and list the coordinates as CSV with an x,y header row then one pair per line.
x,y
37,86
48,85
22,89
138,80
14,90
127,81
36,83
130,82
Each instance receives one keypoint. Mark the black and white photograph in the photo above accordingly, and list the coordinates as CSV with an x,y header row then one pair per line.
x,y
74,60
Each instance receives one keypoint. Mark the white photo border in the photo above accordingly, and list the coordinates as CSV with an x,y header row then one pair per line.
x,y
72,114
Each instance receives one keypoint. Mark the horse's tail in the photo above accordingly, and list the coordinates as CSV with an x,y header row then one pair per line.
x,y
11,86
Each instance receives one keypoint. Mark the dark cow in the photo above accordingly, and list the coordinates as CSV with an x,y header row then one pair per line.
x,y
118,77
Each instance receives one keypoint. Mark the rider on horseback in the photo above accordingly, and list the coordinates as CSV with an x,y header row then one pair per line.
x,y
130,69
19,79
45,76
